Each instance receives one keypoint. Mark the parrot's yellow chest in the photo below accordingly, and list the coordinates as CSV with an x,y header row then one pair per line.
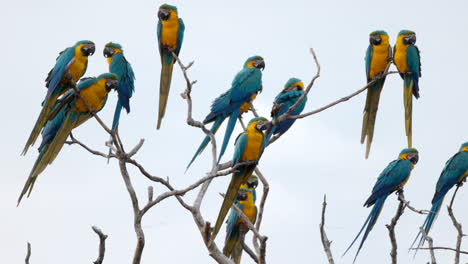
x,y
95,95
78,67
250,210
399,58
254,145
246,106
170,31
379,59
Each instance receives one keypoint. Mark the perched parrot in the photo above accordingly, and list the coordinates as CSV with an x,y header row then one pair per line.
x,y
70,65
454,173
170,36
407,60
292,91
248,147
378,56
236,228
119,66
68,113
244,89
392,179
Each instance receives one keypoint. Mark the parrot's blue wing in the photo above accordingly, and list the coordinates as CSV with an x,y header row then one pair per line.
x,y
180,36
368,60
56,74
414,64
241,143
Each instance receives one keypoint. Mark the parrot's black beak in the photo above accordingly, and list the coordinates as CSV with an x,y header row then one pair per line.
x,y
414,158
259,64
262,125
375,40
108,52
88,49
163,14
253,185
111,84
410,39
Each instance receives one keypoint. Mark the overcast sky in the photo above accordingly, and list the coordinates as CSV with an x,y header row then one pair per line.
x,y
319,155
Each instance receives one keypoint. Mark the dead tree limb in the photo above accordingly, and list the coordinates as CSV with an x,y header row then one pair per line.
x,y
457,226
28,253
323,235
391,230
102,244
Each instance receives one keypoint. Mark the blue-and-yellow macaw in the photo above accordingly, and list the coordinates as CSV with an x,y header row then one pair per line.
x,y
249,147
119,66
71,64
392,179
454,173
170,36
292,91
244,89
68,113
236,228
407,60
378,56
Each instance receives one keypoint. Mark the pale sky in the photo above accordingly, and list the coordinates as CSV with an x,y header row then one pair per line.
x,y
319,155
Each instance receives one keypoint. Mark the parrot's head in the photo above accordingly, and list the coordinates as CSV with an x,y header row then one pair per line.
x,y
112,80
293,84
87,47
252,182
258,123
378,37
111,48
167,12
410,154
407,36
255,62
464,147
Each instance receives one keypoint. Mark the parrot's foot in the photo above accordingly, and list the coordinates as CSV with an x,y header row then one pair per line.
x,y
399,190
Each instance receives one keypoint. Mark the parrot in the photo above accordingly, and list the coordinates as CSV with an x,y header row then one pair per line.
x,y
68,113
248,147
408,62
454,173
244,89
119,66
170,36
378,56
235,224
71,65
292,91
392,179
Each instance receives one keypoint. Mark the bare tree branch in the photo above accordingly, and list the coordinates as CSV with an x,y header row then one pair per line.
x,y
323,235
102,244
391,230
28,254
442,248
430,243
457,226
250,252
401,198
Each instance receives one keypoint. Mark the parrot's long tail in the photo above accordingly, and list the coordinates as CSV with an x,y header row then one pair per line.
x,y
229,129
370,114
368,224
408,101
118,109
41,121
230,244
231,193
164,87
237,252
205,141
428,223
48,153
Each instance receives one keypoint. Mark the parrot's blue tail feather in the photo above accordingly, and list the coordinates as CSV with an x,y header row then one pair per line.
x,y
428,223
229,129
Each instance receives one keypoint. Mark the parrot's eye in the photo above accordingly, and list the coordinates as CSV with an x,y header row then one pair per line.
x,y
164,14
88,49
259,64
409,39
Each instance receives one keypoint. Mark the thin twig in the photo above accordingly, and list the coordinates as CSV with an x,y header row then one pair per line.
x,y
430,242
323,235
249,252
28,254
102,244
442,248
401,198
